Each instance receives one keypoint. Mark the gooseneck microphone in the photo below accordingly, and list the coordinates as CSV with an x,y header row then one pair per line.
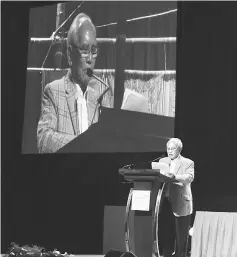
x,y
133,164
90,73
157,159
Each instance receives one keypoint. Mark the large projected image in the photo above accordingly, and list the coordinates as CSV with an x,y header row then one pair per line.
x,y
101,77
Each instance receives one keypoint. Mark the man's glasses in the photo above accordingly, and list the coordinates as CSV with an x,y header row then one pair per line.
x,y
171,148
94,51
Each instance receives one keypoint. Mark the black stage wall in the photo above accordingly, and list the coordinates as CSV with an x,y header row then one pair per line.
x,y
206,107
47,201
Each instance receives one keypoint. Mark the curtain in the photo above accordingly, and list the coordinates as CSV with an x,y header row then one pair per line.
x,y
206,106
158,87
214,234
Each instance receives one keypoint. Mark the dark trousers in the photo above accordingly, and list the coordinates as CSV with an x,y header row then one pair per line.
x,y
173,231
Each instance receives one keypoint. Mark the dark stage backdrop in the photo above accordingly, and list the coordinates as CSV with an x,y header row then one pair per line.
x,y
206,107
58,201
44,200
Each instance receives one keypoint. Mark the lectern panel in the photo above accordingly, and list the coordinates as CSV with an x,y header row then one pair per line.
x,y
144,239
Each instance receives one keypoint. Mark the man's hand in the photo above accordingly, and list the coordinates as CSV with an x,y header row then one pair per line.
x,y
170,175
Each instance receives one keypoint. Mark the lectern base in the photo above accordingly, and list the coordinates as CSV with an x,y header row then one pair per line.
x,y
117,253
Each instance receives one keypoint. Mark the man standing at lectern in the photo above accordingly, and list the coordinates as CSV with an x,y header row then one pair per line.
x,y
69,104
177,205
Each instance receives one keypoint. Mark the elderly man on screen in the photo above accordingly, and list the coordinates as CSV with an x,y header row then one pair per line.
x,y
69,104
177,205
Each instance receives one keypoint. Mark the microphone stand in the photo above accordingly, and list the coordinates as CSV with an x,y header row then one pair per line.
x,y
99,100
55,36
68,18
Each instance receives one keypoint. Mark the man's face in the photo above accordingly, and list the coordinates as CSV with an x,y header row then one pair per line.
x,y
172,151
85,41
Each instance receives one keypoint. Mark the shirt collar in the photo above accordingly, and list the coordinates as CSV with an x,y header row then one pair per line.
x,y
176,159
79,91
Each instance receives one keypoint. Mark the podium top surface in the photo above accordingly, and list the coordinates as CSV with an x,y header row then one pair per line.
x,y
140,172
143,175
124,131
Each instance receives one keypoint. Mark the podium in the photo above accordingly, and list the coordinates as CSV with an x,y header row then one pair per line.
x,y
123,131
143,239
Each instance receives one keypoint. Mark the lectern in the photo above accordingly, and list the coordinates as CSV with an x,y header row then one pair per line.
x,y
143,239
123,131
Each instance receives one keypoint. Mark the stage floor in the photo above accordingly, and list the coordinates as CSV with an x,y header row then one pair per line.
x,y
82,255
91,255
88,255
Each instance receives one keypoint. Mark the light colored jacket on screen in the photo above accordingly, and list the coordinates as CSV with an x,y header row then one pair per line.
x,y
59,121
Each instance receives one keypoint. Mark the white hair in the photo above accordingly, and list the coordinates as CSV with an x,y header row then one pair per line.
x,y
76,24
177,142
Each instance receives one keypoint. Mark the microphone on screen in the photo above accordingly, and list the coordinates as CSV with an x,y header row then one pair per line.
x,y
90,74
